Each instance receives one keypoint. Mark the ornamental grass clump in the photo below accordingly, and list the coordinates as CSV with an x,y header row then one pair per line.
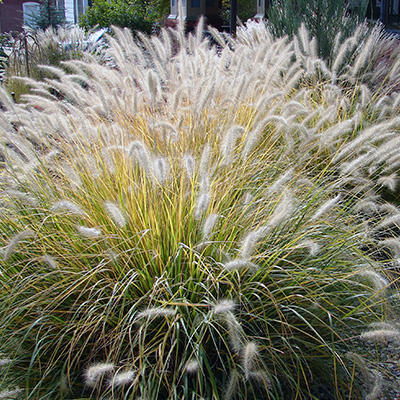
x,y
29,50
184,223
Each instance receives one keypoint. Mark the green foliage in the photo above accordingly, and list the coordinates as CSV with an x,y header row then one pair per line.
x,y
246,9
148,290
324,19
160,8
132,14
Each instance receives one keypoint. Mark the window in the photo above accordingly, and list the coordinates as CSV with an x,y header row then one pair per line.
x,y
174,7
81,6
74,8
195,3
31,10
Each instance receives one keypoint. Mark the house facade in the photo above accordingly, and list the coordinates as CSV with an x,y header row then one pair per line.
x,y
210,9
388,11
14,14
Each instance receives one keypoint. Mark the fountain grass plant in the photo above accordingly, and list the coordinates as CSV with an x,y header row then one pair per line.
x,y
188,222
28,50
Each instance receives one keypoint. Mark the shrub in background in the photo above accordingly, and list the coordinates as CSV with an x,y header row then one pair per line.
x,y
324,19
187,221
132,14
246,10
160,8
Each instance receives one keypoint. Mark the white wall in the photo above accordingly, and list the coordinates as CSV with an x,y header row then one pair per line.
x,y
73,8
69,11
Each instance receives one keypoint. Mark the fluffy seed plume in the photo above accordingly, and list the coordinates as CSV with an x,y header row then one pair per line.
x,y
390,182
153,84
208,226
189,166
15,241
232,386
366,206
202,204
250,353
313,247
10,394
281,181
223,312
384,325
72,177
192,366
23,197
381,335
325,207
228,144
122,379
156,312
115,214
250,241
376,391
67,206
63,383
89,232
204,161
393,244
282,211
96,373
239,264
138,151
160,169
379,282
50,261
224,306
5,361
360,362
252,139
247,198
